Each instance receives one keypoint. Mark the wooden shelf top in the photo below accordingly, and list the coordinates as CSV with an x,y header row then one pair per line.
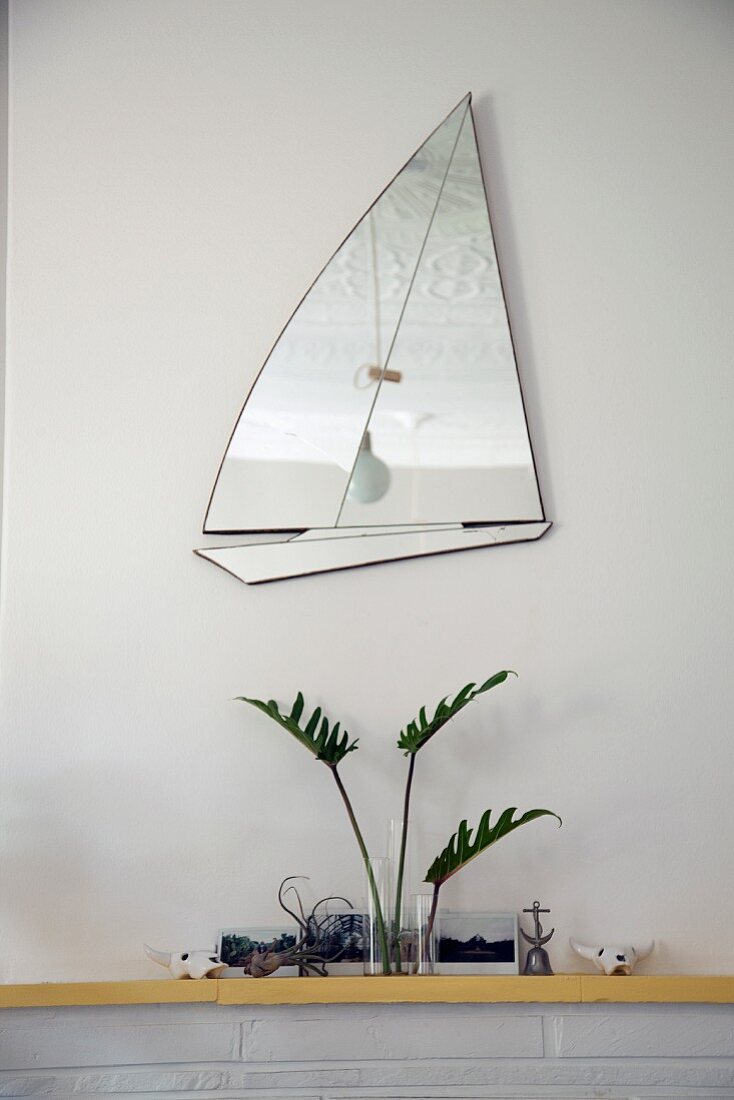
x,y
397,989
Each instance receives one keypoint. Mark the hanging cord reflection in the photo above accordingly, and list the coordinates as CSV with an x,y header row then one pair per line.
x,y
368,373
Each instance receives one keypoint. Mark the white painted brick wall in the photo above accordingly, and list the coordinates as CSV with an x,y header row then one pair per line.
x,y
371,1052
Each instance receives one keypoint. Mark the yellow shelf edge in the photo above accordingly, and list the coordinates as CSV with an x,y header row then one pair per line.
x,y
397,989
156,991
402,989
658,989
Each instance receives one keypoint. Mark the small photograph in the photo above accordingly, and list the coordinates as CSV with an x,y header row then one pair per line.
x,y
343,941
237,945
477,943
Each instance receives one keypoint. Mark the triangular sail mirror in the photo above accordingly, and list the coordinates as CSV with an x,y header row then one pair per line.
x,y
388,421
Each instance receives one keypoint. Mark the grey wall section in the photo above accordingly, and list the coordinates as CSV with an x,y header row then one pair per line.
x,y
354,1052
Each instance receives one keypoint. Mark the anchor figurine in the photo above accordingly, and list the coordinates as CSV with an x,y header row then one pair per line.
x,y
537,961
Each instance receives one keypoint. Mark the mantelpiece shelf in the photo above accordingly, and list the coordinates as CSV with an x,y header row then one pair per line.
x,y
401,989
658,988
559,989
53,994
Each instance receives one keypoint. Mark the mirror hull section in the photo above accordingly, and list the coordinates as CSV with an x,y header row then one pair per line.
x,y
328,551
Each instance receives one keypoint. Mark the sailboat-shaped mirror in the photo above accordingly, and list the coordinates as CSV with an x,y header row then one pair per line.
x,y
388,420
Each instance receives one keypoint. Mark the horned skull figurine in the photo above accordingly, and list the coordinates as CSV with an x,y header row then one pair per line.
x,y
615,959
188,964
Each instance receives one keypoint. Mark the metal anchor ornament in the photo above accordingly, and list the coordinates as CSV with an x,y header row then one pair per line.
x,y
537,961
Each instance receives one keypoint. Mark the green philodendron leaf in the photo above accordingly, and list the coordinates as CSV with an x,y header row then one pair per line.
x,y
461,849
421,729
325,742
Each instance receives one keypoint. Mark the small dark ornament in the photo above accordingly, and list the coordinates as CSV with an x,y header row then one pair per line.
x,y
314,947
537,961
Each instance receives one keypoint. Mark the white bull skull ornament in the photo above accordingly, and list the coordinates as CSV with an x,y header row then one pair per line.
x,y
188,964
615,959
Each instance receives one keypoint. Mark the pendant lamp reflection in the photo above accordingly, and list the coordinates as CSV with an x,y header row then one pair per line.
x,y
371,476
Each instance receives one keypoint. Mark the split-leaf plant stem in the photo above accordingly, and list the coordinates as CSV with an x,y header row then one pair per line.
x,y
330,744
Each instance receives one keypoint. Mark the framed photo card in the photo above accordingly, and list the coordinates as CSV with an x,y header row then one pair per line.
x,y
477,943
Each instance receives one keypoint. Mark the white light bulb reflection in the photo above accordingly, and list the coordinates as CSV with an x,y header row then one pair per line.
x,y
370,478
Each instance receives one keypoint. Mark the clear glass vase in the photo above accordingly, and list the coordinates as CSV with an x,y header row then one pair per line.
x,y
378,895
424,936
400,916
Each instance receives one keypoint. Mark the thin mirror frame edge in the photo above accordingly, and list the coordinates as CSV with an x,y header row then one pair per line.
x,y
291,534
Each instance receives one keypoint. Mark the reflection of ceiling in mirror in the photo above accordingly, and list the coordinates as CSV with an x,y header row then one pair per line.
x,y
416,189
470,410
462,272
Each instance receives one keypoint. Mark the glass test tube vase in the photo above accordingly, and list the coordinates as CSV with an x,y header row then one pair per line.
x,y
376,933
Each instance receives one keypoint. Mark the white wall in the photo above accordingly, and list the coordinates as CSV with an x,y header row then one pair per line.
x,y
179,173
